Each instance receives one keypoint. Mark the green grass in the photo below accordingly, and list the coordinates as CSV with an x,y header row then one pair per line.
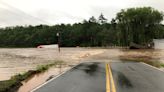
x,y
42,68
162,65
150,62
6,86
14,82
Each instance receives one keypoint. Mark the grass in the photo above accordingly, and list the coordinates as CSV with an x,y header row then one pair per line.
x,y
9,85
14,82
162,65
42,68
147,61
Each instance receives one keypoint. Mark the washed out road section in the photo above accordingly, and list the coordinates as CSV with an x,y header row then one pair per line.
x,y
137,77
86,77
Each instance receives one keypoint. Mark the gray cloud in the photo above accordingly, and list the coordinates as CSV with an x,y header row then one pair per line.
x,y
55,17
11,16
109,12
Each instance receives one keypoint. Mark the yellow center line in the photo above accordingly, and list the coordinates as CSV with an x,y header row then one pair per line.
x,y
112,80
110,86
107,79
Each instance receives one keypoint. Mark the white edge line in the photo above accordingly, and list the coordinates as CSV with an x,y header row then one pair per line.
x,y
152,66
52,79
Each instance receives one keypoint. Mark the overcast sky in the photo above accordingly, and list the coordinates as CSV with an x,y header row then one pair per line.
x,y
33,12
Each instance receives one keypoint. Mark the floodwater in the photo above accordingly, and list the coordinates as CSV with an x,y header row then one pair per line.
x,y
14,61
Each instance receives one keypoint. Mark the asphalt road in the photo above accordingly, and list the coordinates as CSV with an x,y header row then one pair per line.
x,y
92,77
86,77
137,77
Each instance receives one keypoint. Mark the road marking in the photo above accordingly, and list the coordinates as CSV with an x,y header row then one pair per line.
x,y
151,66
112,80
107,79
53,78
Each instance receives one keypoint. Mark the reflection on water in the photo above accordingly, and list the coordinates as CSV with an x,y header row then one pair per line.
x,y
38,79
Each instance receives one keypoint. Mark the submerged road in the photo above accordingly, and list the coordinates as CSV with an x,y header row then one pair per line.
x,y
107,77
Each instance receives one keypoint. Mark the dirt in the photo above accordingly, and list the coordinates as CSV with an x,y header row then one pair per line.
x,y
14,61
147,54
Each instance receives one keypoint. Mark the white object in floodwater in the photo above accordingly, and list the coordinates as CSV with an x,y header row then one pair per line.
x,y
158,43
48,46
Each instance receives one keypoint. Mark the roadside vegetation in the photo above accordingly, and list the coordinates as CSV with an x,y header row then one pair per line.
x,y
162,64
133,25
14,83
155,63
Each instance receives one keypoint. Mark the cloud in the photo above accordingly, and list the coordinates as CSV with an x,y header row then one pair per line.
x,y
11,16
108,12
57,17
33,12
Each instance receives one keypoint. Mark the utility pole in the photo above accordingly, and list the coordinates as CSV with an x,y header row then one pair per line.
x,y
58,37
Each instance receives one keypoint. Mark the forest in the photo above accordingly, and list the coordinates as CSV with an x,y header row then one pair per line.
x,y
133,25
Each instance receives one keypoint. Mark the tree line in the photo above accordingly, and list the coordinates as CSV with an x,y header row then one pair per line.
x,y
133,25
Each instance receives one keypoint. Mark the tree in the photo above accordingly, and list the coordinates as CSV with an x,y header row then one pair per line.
x,y
92,19
102,19
138,25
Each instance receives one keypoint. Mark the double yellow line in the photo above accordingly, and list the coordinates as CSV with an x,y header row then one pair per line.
x,y
110,86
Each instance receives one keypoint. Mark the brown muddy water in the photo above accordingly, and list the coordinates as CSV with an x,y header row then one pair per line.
x,y
14,61
20,60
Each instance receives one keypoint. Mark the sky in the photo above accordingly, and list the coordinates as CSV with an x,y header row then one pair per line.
x,y
51,12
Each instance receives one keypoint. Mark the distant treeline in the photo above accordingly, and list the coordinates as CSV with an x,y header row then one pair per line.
x,y
133,25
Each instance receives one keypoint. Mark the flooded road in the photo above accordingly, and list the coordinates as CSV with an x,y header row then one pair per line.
x,y
20,60
93,76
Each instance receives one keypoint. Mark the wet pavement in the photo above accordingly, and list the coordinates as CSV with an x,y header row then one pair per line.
x,y
91,77
137,77
86,77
